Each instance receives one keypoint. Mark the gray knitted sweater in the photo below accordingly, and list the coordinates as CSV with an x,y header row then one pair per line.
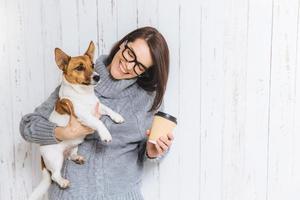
x,y
112,171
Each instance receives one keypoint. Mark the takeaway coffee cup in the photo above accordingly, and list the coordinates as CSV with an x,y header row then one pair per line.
x,y
162,124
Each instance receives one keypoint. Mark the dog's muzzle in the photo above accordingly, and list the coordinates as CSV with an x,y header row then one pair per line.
x,y
95,78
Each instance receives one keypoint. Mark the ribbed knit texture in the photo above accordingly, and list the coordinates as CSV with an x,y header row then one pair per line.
x,y
112,171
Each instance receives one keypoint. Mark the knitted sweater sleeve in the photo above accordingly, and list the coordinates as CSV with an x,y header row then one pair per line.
x,y
35,127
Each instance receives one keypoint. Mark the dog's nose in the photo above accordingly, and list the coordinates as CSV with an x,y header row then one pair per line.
x,y
96,78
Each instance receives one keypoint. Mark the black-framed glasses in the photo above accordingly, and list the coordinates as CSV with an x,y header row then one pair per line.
x,y
129,55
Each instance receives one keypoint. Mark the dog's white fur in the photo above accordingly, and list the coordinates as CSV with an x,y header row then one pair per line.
x,y
84,101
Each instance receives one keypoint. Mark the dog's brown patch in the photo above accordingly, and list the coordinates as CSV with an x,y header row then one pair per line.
x,y
65,106
77,70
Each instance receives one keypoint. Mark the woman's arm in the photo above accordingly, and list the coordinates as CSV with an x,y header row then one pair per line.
x,y
35,127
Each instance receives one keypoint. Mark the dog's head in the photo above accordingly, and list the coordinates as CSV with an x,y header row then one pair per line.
x,y
79,69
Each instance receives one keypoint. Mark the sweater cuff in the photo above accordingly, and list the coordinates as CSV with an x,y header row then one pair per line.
x,y
156,159
46,133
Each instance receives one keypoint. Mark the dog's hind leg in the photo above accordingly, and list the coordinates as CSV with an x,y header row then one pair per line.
x,y
55,169
75,157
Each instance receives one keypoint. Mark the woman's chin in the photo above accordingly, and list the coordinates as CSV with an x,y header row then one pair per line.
x,y
117,75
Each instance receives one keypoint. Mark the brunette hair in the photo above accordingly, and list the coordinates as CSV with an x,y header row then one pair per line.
x,y
156,77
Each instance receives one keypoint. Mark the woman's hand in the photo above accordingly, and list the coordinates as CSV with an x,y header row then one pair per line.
x,y
161,146
75,128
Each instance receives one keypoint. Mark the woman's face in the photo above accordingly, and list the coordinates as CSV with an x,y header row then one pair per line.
x,y
132,59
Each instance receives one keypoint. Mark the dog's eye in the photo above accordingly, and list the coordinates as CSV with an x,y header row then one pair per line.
x,y
79,68
93,65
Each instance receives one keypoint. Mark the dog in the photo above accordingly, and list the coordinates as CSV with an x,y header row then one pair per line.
x,y
76,98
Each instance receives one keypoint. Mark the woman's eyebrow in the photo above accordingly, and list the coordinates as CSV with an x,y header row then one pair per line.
x,y
131,49
134,54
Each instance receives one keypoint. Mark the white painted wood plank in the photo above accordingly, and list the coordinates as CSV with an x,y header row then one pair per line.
x,y
88,30
6,131
69,25
34,78
147,12
107,25
189,100
259,27
212,99
282,136
235,74
126,17
16,59
54,26
295,182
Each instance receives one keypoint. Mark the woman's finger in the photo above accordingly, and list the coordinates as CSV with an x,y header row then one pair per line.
x,y
159,150
162,145
166,141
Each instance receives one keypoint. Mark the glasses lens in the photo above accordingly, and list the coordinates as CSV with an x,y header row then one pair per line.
x,y
128,55
142,69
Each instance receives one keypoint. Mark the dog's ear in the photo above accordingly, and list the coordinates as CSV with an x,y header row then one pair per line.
x,y
61,59
90,51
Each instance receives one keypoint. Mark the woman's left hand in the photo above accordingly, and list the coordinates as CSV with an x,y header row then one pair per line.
x,y
161,146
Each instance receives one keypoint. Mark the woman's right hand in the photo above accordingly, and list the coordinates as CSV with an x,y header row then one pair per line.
x,y
75,128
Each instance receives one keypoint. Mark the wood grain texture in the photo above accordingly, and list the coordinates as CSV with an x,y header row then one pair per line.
x,y
234,84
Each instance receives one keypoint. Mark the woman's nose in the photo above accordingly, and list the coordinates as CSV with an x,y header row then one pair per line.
x,y
129,65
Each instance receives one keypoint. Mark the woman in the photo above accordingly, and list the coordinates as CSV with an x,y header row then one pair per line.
x,y
133,80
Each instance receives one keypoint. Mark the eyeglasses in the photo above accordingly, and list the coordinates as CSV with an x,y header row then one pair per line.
x,y
129,55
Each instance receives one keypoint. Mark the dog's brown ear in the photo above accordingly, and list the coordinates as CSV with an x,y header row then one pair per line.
x,y
61,59
90,51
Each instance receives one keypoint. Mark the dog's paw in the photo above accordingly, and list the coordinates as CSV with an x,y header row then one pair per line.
x,y
118,118
79,159
64,183
106,137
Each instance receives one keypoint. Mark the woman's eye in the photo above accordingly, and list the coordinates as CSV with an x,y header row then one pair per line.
x,y
130,54
141,68
79,68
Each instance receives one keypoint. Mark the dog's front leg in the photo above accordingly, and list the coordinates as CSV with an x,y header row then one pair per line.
x,y
94,123
104,110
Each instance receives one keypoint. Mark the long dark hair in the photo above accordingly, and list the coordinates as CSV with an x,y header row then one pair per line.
x,y
156,77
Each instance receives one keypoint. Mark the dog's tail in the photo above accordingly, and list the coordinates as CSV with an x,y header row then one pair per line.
x,y
43,186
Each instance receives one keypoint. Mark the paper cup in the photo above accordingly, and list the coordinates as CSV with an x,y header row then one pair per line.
x,y
162,124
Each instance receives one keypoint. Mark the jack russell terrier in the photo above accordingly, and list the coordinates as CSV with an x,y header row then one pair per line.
x,y
77,98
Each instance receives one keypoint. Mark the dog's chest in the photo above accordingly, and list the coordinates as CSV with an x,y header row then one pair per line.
x,y
81,104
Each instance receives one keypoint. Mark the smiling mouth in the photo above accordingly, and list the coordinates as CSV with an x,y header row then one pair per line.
x,y
121,67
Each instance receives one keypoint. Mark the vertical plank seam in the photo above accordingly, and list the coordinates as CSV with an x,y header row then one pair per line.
x,y
97,28
179,83
269,108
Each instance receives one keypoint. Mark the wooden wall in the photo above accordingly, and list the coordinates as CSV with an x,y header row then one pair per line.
x,y
234,84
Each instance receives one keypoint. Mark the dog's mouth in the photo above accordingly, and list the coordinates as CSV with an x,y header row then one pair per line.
x,y
86,83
